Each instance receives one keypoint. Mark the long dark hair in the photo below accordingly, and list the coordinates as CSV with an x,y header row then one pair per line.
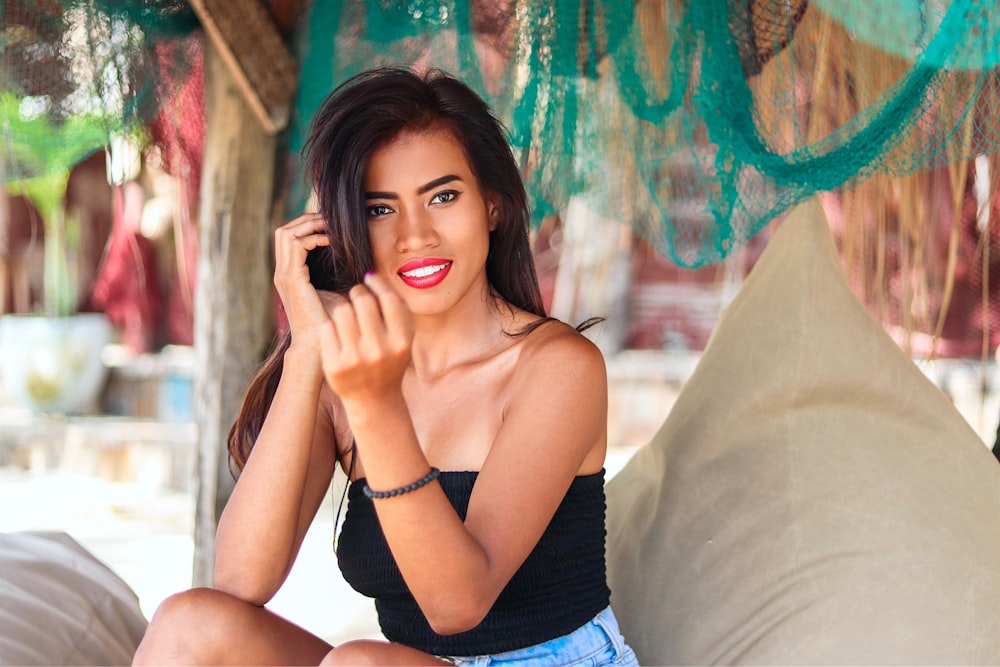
x,y
363,114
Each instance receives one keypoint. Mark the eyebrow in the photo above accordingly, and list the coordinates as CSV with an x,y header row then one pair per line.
x,y
426,187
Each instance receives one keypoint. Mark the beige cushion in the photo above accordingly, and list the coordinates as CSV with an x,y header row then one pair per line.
x,y
811,498
59,605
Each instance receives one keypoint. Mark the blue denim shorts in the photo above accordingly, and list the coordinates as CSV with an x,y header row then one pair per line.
x,y
598,642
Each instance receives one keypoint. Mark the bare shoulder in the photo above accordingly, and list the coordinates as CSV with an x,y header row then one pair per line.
x,y
556,349
558,399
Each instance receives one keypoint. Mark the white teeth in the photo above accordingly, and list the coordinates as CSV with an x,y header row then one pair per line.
x,y
424,271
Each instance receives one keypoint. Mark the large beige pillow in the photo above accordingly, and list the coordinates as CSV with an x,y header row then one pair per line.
x,y
811,498
60,605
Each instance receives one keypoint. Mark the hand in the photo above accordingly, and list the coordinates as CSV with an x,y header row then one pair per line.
x,y
365,346
305,308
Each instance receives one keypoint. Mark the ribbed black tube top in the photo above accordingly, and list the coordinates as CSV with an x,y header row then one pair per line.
x,y
560,586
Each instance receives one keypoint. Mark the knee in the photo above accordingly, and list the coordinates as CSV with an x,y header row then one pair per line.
x,y
185,611
188,628
359,652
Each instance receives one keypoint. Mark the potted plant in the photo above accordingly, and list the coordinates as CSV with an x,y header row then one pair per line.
x,y
50,358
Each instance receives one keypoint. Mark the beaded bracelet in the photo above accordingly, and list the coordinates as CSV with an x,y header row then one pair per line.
x,y
423,481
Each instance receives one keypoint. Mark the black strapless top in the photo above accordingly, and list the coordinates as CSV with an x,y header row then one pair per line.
x,y
560,586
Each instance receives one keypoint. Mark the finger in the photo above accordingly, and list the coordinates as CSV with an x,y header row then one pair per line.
x,y
307,222
395,314
310,224
330,300
313,241
296,247
379,286
346,322
293,241
304,225
328,336
371,327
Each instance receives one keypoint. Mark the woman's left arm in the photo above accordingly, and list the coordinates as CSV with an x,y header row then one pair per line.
x,y
554,426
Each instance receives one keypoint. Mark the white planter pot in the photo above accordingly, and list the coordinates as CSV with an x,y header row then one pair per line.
x,y
53,364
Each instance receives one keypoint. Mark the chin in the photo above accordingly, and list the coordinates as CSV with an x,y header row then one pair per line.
x,y
422,305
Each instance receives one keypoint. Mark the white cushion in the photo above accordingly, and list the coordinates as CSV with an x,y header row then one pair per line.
x,y
811,498
59,605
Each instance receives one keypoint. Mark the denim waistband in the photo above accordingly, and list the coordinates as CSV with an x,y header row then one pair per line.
x,y
597,642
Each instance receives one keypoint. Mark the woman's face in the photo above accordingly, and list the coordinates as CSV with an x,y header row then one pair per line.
x,y
428,221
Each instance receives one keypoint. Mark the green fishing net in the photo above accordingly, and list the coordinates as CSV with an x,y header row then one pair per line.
x,y
694,122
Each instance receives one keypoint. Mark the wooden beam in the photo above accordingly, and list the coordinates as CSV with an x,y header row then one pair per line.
x,y
233,320
251,46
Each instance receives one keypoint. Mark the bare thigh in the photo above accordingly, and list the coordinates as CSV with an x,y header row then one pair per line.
x,y
209,627
373,652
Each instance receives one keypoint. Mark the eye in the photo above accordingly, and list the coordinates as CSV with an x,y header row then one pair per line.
x,y
444,197
378,210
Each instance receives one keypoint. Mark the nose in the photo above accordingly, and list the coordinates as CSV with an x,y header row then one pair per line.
x,y
415,230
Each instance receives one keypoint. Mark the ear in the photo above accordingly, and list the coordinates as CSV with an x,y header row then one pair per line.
x,y
494,207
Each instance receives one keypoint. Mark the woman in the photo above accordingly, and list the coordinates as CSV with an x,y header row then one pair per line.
x,y
420,360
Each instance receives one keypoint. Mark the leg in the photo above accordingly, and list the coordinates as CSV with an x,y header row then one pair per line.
x,y
371,652
208,627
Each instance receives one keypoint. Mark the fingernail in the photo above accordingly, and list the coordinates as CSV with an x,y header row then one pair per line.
x,y
369,274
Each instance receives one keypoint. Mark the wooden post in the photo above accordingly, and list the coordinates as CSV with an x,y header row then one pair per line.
x,y
233,318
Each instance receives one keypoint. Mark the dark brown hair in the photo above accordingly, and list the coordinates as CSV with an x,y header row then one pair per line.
x,y
362,115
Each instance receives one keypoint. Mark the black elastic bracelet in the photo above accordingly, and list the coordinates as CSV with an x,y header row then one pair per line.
x,y
423,481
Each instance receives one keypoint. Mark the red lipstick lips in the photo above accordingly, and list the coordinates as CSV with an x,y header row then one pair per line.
x,y
425,272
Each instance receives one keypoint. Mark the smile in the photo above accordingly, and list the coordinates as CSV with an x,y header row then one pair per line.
x,y
422,274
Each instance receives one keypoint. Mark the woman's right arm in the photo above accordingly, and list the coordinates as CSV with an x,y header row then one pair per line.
x,y
280,489
292,461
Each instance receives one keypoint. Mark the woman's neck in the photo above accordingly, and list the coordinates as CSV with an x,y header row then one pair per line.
x,y
473,333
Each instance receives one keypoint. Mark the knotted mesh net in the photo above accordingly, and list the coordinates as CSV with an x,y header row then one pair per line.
x,y
697,122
